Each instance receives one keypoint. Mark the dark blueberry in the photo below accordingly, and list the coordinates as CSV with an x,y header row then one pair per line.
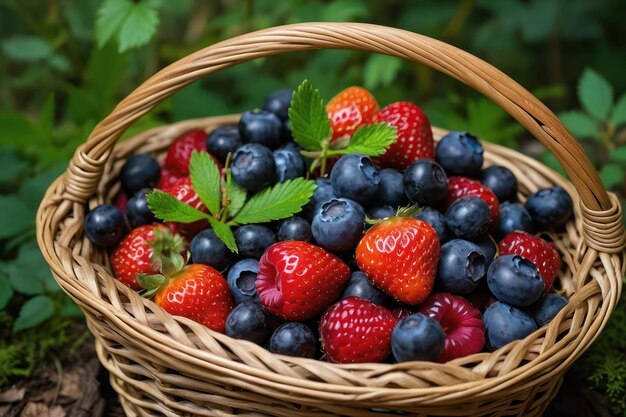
x,y
381,212
488,247
137,210
437,220
287,131
361,287
253,167
295,228
241,280
293,339
253,239
338,224
513,216
354,176
278,103
505,323
391,189
425,182
105,226
222,141
549,207
140,171
468,218
322,194
417,338
547,308
261,127
501,181
461,267
459,153
289,163
206,248
249,321
515,280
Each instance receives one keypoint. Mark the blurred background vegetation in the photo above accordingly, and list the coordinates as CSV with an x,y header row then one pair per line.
x,y
64,64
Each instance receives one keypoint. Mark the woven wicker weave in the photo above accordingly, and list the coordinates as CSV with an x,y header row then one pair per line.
x,y
165,365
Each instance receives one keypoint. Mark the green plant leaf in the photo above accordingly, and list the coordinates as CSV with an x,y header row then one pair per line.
x,y
29,273
6,292
34,311
309,121
18,131
370,140
595,94
139,27
21,216
26,48
224,233
235,194
277,202
580,124
618,116
167,208
618,154
11,166
380,70
111,16
612,175
205,178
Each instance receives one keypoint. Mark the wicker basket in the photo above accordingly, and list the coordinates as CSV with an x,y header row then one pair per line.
x,y
165,365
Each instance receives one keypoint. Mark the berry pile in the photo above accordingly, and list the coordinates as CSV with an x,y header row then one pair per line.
x,y
339,232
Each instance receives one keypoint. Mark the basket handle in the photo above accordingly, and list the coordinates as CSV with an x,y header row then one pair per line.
x,y
85,170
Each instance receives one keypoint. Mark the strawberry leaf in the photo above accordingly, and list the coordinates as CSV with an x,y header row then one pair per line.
x,y
205,178
235,194
309,120
370,140
224,233
277,202
167,208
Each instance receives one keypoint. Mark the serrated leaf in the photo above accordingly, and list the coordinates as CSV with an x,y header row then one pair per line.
x,y
34,311
205,178
111,15
370,140
167,208
595,94
309,120
29,273
138,28
6,292
277,202
380,70
21,216
579,124
235,194
618,116
225,234
619,154
612,175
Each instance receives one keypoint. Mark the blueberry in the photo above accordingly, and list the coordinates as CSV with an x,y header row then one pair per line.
x,y
549,207
468,218
206,248
279,102
425,182
261,127
222,141
323,193
391,189
253,167
241,280
461,267
295,228
137,210
501,181
338,224
381,212
515,280
505,323
488,248
105,226
289,163
361,287
417,338
248,321
293,339
547,308
513,216
354,176
459,153
140,171
253,239
436,219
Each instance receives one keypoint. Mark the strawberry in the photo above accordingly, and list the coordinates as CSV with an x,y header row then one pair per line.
x,y
414,135
298,280
183,190
140,252
540,252
459,187
167,179
356,331
179,152
121,200
351,109
400,255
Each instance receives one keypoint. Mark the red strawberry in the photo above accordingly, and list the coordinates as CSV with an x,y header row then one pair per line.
x,y
402,312
351,109
459,187
414,135
167,179
540,252
140,252
356,331
183,190
121,200
179,152
298,280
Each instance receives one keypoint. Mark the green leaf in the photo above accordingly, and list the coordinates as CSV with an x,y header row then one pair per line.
x,y
235,194
6,292
579,124
70,310
139,27
309,121
32,190
618,116
29,273
111,16
277,202
370,140
380,70
224,233
21,216
612,175
167,208
26,48
34,311
205,178
619,154
595,94
18,131
11,166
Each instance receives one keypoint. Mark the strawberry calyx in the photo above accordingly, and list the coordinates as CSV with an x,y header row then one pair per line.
x,y
406,211
166,258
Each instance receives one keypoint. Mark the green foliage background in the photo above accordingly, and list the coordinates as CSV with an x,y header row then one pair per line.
x,y
64,64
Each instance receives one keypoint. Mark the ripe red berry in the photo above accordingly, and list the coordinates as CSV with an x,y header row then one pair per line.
x,y
351,109
459,187
179,152
183,190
